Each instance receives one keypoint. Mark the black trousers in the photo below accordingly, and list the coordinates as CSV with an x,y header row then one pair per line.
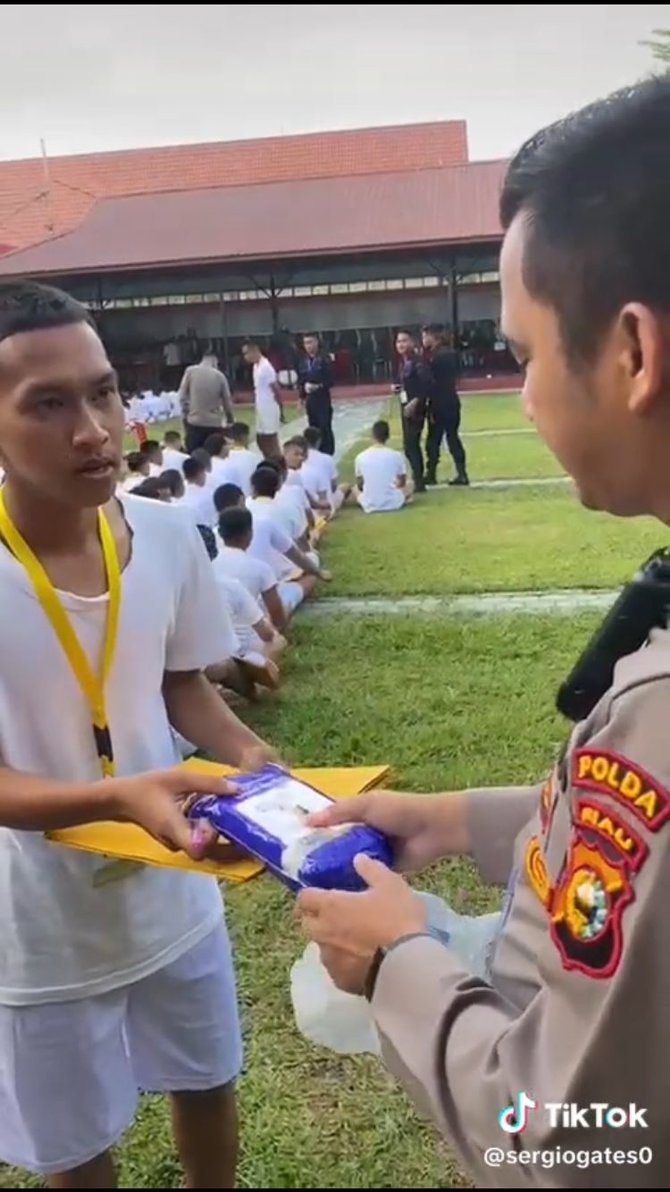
x,y
196,435
444,423
319,411
412,429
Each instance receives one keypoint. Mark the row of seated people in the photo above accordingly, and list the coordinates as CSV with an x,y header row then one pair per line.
x,y
261,521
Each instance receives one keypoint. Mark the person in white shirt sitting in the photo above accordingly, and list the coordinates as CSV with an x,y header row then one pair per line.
x,y
381,474
198,496
172,481
297,573
236,532
224,470
173,450
241,461
152,450
137,470
319,474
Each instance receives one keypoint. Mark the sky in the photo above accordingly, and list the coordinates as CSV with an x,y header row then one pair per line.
x,y
114,76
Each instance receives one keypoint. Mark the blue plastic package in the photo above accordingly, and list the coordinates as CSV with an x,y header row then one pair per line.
x,y
267,819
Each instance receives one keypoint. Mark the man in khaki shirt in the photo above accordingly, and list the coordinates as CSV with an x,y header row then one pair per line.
x,y
206,401
554,1071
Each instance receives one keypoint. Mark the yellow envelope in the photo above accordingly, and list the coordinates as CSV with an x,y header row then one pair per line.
x,y
128,842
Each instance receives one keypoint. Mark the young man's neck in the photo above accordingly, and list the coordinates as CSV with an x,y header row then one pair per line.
x,y
45,524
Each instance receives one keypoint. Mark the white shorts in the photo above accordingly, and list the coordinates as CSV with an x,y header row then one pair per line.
x,y
268,419
70,1072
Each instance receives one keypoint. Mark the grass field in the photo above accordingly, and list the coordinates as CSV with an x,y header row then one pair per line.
x,y
446,703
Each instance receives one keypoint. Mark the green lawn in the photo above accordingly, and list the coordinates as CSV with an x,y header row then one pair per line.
x,y
492,411
445,704
476,541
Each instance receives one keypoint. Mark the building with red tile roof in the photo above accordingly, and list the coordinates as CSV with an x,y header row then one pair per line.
x,y
41,198
351,233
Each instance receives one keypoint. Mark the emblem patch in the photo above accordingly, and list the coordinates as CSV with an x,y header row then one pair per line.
x,y
586,909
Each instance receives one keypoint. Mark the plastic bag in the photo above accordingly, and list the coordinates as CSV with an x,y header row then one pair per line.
x,y
344,1022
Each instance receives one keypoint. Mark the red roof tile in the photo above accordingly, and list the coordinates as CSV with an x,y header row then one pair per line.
x,y
278,219
28,214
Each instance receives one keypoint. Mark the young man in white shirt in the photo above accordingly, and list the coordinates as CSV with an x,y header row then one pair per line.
x,y
198,495
235,559
272,544
268,400
319,473
173,453
381,474
241,461
112,977
153,452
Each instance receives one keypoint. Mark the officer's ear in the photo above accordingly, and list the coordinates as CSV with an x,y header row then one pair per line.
x,y
644,355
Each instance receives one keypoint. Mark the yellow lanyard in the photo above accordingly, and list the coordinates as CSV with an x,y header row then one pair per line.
x,y
92,685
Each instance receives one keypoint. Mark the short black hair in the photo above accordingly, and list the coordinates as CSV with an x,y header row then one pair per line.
x,y
149,446
405,331
594,190
29,306
151,487
311,335
173,480
381,431
437,329
265,481
172,436
238,432
312,436
135,460
193,468
203,457
235,523
214,442
226,496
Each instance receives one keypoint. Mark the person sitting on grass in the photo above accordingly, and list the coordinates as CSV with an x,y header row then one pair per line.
x,y
137,470
152,488
271,544
217,447
173,481
319,474
173,450
381,475
237,561
198,496
242,462
153,452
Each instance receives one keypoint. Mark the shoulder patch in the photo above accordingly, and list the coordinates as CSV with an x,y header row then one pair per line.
x,y
586,910
619,839
614,775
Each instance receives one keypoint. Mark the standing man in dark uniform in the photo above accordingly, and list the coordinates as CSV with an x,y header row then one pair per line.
x,y
415,386
445,408
315,381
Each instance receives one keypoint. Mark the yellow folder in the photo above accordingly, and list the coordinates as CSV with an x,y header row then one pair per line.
x,y
128,842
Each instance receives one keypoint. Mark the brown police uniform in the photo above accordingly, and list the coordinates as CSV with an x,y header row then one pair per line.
x,y
577,1008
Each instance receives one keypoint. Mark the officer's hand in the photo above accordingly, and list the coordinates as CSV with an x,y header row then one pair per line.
x,y
421,828
349,928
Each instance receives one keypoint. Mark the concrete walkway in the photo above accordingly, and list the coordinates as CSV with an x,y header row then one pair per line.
x,y
351,420
485,603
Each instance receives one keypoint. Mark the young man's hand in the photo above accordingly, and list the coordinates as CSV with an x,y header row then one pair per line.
x,y
154,801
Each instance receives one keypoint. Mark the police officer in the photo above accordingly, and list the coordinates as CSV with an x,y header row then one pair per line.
x,y
445,408
568,1036
415,387
315,381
